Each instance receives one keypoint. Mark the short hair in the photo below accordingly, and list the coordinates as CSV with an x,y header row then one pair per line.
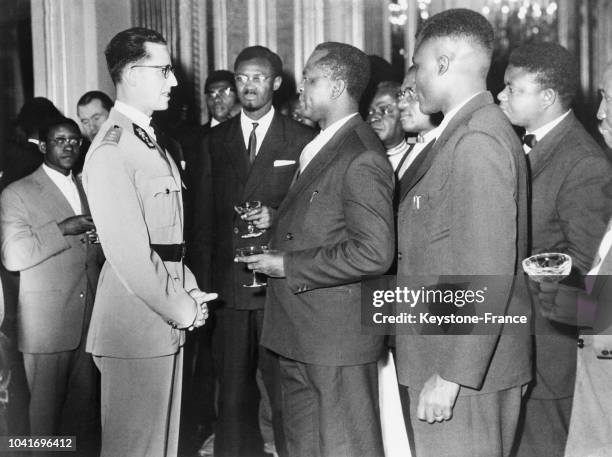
x,y
52,123
262,53
127,47
34,113
387,88
347,63
460,23
92,95
220,75
552,65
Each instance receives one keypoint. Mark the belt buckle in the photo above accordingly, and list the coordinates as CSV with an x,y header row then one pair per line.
x,y
183,250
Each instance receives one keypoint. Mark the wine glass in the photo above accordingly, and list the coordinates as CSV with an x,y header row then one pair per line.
x,y
548,267
248,251
245,208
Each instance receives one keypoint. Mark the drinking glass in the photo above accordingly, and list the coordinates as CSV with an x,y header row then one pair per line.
x,y
248,251
244,208
548,267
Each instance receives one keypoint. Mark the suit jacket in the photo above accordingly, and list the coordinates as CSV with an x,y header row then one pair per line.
x,y
59,274
467,215
226,180
336,226
134,191
571,203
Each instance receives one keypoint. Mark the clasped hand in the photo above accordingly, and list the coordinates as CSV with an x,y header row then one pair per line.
x,y
201,299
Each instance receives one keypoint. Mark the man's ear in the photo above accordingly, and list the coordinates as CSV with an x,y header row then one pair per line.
x,y
338,86
42,147
278,80
443,64
548,97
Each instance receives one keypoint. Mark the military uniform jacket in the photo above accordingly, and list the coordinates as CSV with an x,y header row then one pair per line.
x,y
134,191
58,274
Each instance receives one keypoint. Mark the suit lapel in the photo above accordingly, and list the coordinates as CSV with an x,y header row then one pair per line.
x,y
272,143
320,161
54,198
417,169
235,150
542,153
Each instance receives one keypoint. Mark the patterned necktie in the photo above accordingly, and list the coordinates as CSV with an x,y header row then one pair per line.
x,y
252,149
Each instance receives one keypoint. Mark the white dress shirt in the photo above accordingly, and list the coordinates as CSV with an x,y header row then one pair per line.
x,y
136,116
260,132
428,137
67,187
396,153
311,149
542,131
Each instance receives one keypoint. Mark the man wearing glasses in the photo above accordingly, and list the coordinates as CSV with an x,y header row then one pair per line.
x,y
45,230
253,157
147,297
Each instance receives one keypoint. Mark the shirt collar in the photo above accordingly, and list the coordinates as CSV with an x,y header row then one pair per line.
x,y
56,175
262,123
136,116
449,116
542,131
398,149
214,122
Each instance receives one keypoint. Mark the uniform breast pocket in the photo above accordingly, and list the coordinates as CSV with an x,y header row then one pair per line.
x,y
163,201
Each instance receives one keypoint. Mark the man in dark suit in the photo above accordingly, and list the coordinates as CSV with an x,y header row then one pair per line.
x,y
334,227
464,219
251,157
44,220
570,207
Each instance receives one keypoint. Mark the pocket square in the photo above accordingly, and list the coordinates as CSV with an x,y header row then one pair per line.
x,y
283,163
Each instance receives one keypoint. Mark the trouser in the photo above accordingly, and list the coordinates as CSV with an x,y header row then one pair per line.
x,y
141,402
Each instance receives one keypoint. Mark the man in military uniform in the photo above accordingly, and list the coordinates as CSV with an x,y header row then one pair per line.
x,y
146,295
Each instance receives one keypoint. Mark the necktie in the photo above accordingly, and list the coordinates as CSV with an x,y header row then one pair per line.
x,y
529,140
253,143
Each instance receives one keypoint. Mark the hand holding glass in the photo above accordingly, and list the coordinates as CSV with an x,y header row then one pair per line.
x,y
548,267
245,208
248,251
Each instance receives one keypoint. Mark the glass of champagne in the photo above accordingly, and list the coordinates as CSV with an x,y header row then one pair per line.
x,y
244,208
548,267
248,251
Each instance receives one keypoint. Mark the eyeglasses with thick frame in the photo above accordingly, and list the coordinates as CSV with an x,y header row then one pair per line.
x,y
63,141
165,69
255,79
408,94
382,111
214,93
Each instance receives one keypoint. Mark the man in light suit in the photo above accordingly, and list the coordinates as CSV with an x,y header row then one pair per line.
x,y
146,295
44,220
466,215
571,203
334,227
252,156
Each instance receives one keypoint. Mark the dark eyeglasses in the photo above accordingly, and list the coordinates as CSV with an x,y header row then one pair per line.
x,y
63,141
214,93
407,94
382,111
165,69
256,79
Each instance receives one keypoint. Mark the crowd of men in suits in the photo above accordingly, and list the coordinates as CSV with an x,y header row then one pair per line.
x,y
435,183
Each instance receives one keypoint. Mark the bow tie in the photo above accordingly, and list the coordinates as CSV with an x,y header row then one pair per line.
x,y
529,140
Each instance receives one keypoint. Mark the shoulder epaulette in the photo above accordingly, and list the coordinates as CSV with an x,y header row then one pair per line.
x,y
113,134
